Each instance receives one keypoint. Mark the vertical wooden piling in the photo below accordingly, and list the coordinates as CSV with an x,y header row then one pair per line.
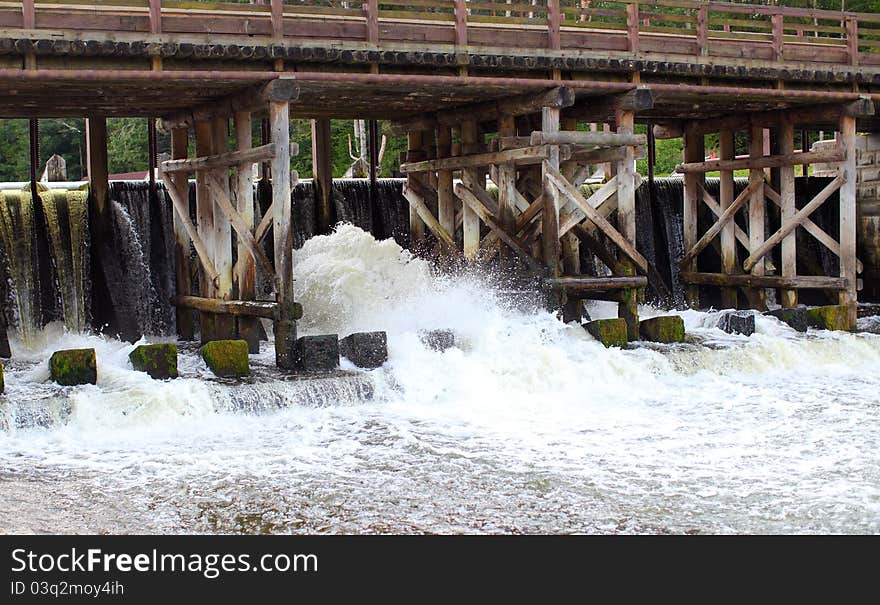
x,y
757,205
572,309
322,172
245,268
506,180
847,196
627,308
445,197
550,216
415,152
96,155
224,324
285,326
694,151
728,233
472,178
182,264
788,298
205,226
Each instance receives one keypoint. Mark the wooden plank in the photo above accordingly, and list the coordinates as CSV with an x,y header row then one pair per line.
x,y
603,109
550,218
155,16
277,18
180,199
208,283
461,29
245,273
285,327
728,232
474,179
757,210
415,150
788,298
445,197
554,20
791,223
525,155
798,282
217,182
242,157
371,15
627,309
239,308
415,195
600,221
726,216
587,139
506,175
848,203
182,265
588,284
694,183
741,236
605,195
772,161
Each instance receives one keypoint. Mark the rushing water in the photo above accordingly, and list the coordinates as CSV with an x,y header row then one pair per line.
x,y
528,425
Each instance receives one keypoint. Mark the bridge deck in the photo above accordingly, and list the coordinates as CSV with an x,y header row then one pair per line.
x,y
403,57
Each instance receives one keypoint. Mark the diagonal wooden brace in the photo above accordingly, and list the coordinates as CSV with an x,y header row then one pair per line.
x,y
180,202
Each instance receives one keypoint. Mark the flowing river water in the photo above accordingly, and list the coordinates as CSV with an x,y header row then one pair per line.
x,y
527,425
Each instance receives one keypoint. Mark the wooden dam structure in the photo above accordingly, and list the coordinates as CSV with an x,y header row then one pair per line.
x,y
486,91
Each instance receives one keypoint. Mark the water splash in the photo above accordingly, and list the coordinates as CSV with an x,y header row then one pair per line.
x,y
18,233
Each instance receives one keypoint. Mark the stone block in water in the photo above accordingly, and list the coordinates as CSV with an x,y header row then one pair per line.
x,y
365,349
227,358
738,322
665,328
157,360
74,366
438,340
610,332
796,318
831,317
317,353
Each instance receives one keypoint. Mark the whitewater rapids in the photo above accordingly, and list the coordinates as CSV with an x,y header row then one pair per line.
x,y
528,425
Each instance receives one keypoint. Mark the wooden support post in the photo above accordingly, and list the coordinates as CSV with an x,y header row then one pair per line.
x,y
445,196
757,204
847,195
554,21
550,218
285,326
694,151
632,28
628,308
506,179
182,264
155,16
788,298
245,268
852,40
703,30
224,324
96,152
728,232
573,308
778,33
474,179
461,36
371,15
205,227
277,18
415,152
322,173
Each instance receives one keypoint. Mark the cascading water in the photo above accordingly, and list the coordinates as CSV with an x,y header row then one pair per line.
x,y
18,233
66,215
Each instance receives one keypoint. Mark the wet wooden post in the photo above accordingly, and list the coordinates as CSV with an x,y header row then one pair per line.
x,y
415,153
182,264
507,180
285,325
205,226
572,309
847,195
728,232
473,179
245,268
322,172
550,216
628,307
224,324
757,205
96,157
445,196
788,298
694,151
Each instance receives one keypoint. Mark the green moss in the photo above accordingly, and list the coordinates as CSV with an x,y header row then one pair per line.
x,y
831,317
665,328
610,332
227,357
73,366
2,379
157,360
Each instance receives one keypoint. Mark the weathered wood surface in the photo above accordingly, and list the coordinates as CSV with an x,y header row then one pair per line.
x,y
597,283
797,282
221,160
241,308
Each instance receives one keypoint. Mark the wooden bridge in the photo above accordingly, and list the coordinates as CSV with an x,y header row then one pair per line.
x,y
487,89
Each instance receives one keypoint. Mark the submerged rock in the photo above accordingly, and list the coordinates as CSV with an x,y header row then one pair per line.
x,y
738,322
438,340
796,318
227,358
831,317
157,360
365,349
317,353
73,367
610,332
665,328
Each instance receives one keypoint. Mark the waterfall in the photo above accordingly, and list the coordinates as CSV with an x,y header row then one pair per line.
x,y
18,232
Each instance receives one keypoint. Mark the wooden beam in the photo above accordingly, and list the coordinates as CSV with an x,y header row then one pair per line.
x,y
588,284
415,195
728,231
217,182
603,109
228,159
798,282
282,230
727,215
506,175
245,273
283,88
757,210
208,283
550,246
240,308
587,139
627,309
473,178
772,161
179,200
600,221
182,265
694,184
96,157
791,223
848,215
322,171
526,155
445,197
741,236
788,297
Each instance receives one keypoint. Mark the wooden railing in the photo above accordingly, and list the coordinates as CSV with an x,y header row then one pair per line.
x,y
687,27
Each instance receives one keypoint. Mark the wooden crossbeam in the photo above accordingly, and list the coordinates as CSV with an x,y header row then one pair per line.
x,y
796,220
604,109
468,196
598,198
798,282
572,193
715,229
246,308
812,228
594,140
221,160
181,206
771,161
416,199
525,155
586,284
713,205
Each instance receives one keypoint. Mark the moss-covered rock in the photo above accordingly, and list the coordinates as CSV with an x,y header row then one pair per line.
x,y
157,360
665,328
227,358
795,318
831,317
610,332
74,366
